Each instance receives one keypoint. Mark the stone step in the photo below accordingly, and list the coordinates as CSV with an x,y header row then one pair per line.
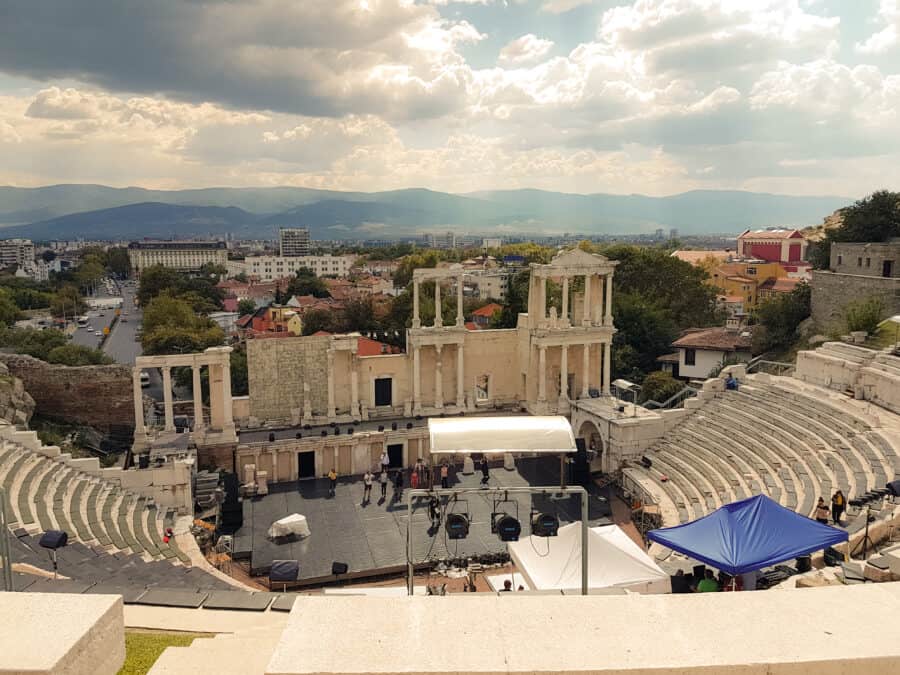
x,y
235,655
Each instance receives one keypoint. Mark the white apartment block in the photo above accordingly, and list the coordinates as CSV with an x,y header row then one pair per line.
x,y
186,256
293,241
491,242
16,252
272,267
490,285
442,240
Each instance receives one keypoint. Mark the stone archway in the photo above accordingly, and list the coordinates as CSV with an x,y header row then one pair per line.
x,y
593,441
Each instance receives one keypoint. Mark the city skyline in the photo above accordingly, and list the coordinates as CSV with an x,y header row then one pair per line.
x,y
652,96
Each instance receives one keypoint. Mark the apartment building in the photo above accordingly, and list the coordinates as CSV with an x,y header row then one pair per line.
x,y
185,256
271,267
293,242
16,252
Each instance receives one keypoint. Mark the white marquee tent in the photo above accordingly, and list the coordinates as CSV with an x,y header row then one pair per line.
x,y
614,561
514,433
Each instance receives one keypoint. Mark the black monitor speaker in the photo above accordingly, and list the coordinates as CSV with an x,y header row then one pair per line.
x,y
53,539
144,461
646,462
339,568
284,570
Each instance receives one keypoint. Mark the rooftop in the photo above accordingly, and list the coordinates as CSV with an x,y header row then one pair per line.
x,y
772,233
720,339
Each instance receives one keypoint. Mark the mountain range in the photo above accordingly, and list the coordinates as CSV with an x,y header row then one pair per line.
x,y
101,212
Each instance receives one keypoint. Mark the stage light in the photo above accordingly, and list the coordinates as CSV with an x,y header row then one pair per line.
x,y
646,462
457,526
298,435
324,433
544,525
380,427
337,431
338,568
393,426
409,425
271,438
508,528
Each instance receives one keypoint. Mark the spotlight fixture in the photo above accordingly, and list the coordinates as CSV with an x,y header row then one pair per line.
x,y
324,433
409,425
544,525
457,526
380,427
393,426
508,528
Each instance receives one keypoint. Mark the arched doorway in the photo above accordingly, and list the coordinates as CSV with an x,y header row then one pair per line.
x,y
593,442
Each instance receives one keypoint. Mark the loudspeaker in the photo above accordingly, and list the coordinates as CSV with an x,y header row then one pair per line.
x,y
271,437
393,426
284,570
409,425
681,583
804,564
53,539
646,462
339,568
144,461
893,488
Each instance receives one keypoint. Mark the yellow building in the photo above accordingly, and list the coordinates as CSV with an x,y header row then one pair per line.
x,y
743,279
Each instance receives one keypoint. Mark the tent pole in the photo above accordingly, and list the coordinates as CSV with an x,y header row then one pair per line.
x,y
584,542
409,553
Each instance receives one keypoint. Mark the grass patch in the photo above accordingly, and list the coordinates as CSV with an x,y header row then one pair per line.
x,y
142,648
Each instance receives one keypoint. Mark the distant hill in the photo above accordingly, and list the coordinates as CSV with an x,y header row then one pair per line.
x,y
97,211
136,221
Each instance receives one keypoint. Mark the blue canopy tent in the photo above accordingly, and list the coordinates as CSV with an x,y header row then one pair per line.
x,y
748,535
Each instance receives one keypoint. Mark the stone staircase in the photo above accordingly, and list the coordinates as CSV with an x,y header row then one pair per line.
x,y
48,490
768,438
245,652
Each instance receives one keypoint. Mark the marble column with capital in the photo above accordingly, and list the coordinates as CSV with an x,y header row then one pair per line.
x,y
542,374
438,379
167,399
139,422
417,382
608,318
438,315
585,371
586,310
565,301
354,385
199,423
607,367
416,321
460,320
331,408
564,373
460,378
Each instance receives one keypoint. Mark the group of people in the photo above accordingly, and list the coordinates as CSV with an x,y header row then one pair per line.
x,y
838,506
421,476
709,583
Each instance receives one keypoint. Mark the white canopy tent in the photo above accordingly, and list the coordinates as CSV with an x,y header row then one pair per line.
x,y
464,435
615,561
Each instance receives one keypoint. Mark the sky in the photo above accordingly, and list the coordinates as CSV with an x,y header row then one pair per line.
x,y
652,96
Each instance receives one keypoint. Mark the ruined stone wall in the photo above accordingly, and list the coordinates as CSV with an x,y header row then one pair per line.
x,y
96,396
831,292
277,371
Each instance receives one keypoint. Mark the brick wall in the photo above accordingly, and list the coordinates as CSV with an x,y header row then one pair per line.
x,y
277,371
96,396
831,292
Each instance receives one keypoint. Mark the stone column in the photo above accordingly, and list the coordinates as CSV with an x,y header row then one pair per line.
x,y
460,378
438,380
565,300
216,391
608,318
273,478
416,322
438,316
460,321
542,374
417,383
543,301
586,310
167,398
563,373
607,367
198,399
354,385
227,411
585,370
330,412
139,427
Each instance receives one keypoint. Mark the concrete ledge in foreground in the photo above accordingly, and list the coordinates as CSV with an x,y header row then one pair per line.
x,y
821,631
61,634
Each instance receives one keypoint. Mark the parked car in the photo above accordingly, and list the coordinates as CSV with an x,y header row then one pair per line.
x,y
98,333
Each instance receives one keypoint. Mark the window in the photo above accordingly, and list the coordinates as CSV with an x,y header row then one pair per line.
x,y
868,262
751,271
859,262
690,357
840,260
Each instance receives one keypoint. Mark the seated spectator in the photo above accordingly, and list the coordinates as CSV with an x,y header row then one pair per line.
x,y
708,583
731,382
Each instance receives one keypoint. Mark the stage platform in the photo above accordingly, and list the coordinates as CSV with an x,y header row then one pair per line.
x,y
371,538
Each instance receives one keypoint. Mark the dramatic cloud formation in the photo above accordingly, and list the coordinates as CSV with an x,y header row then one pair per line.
x,y
652,96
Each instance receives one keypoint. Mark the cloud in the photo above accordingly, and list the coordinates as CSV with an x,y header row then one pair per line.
x,y
317,57
526,49
889,36
563,6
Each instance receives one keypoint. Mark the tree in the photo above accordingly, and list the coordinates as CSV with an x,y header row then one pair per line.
x,y
77,355
9,311
864,315
155,280
246,306
242,277
359,315
659,386
89,273
117,262
779,318
317,319
36,343
239,380
171,326
67,302
516,301
646,329
48,256
874,218
211,269
307,283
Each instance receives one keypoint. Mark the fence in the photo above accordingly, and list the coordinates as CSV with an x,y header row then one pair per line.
x,y
759,365
673,401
